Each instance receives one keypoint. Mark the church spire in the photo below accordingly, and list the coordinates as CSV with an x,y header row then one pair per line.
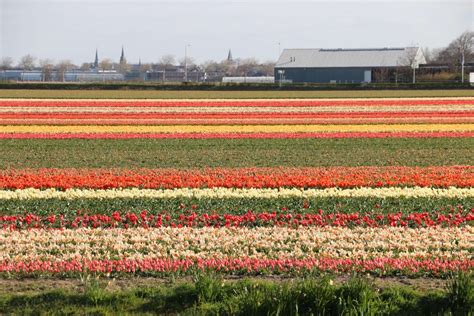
x,y
96,61
122,57
229,56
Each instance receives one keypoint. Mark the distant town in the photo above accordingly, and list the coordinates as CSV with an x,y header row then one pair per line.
x,y
385,64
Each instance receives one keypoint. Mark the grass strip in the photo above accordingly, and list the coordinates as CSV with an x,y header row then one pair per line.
x,y
182,94
176,207
212,295
201,153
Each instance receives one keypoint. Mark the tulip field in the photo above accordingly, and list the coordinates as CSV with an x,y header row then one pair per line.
x,y
238,187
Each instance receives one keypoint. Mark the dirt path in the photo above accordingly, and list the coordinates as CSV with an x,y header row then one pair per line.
x,y
30,285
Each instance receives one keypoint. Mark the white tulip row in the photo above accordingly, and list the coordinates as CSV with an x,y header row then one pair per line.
x,y
396,192
451,243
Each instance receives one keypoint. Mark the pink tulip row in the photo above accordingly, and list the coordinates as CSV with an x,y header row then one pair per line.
x,y
379,266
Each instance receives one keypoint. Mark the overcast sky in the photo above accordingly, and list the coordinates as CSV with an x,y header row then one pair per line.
x,y
73,29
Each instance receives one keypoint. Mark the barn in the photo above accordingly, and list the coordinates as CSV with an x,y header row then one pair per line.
x,y
345,65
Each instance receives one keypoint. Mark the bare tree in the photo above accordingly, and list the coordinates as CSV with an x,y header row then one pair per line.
x,y
213,70
144,68
63,66
266,68
465,44
123,67
166,61
6,63
381,74
412,59
247,66
27,62
458,51
106,64
190,62
85,66
46,69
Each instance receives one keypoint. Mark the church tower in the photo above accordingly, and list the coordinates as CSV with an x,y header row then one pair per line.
x,y
96,61
122,57
229,56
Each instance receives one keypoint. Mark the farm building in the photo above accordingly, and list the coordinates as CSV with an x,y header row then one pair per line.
x,y
345,65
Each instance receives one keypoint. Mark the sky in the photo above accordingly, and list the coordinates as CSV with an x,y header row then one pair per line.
x,y
73,29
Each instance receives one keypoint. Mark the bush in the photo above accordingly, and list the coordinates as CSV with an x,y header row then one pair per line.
x,y
460,294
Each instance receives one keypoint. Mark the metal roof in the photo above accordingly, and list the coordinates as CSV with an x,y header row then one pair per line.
x,y
332,58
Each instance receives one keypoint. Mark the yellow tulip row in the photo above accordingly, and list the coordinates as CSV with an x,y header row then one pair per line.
x,y
235,128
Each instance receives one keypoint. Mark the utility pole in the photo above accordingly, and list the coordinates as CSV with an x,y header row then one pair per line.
x,y
462,66
186,62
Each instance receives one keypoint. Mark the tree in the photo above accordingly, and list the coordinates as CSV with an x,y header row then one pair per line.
x,y
213,70
106,64
465,45
189,62
46,69
123,67
412,59
166,61
85,66
144,68
381,75
247,67
27,62
63,66
458,51
6,63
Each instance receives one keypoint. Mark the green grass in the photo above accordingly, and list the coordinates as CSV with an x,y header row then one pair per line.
x,y
212,295
174,94
186,153
176,207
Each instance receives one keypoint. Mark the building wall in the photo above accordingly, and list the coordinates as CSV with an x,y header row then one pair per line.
x,y
322,75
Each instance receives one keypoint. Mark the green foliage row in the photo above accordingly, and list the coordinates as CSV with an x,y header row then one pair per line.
x,y
211,295
178,206
201,153
233,86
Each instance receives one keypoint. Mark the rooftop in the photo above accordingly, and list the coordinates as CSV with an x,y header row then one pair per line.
x,y
354,57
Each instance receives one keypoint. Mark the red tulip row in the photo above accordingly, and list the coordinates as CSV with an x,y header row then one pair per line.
x,y
323,135
249,219
343,177
235,103
378,266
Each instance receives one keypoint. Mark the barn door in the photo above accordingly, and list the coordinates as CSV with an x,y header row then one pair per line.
x,y
367,76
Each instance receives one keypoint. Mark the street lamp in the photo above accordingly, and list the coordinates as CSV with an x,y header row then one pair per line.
x,y
186,62
281,72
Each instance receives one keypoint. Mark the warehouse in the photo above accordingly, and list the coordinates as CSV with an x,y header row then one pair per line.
x,y
346,65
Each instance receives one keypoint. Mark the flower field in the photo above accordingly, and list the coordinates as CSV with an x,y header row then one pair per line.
x,y
217,194
237,118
